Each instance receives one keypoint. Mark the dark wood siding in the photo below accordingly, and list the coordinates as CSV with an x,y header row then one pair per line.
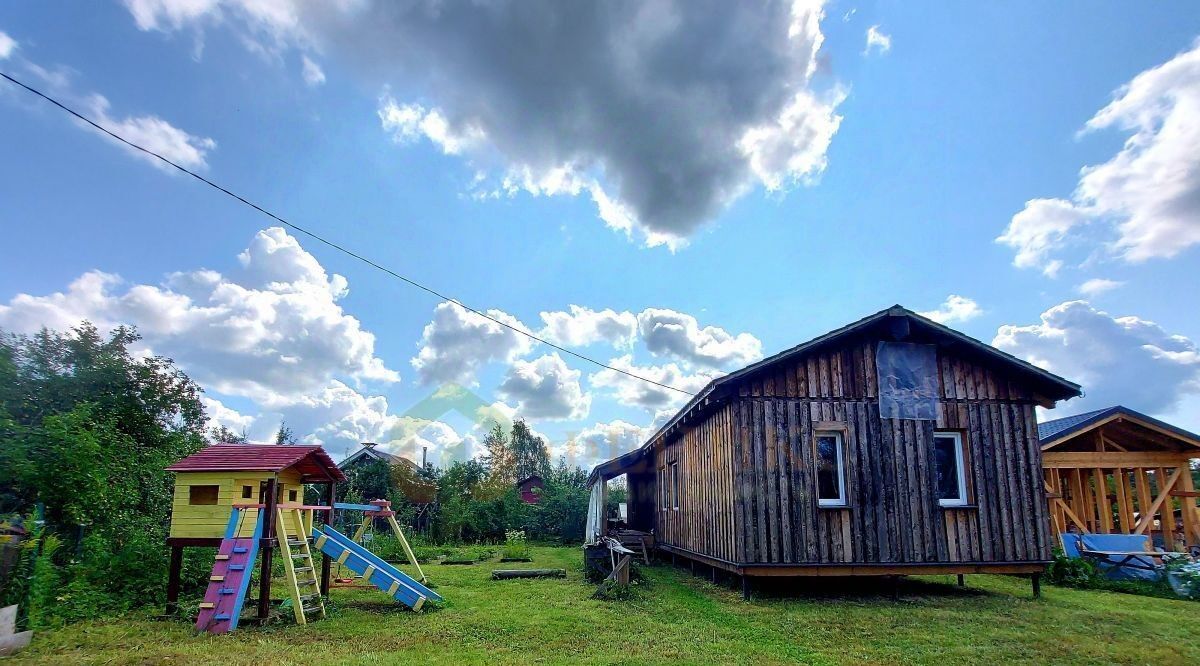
x,y
704,522
893,514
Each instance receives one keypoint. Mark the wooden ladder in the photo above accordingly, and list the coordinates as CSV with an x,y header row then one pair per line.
x,y
302,578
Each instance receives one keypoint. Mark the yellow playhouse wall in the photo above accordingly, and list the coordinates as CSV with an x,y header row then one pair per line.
x,y
209,521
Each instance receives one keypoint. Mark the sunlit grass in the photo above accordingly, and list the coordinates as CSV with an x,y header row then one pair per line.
x,y
675,617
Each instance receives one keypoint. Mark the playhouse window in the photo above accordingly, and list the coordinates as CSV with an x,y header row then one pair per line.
x,y
831,475
950,467
291,496
203,494
247,492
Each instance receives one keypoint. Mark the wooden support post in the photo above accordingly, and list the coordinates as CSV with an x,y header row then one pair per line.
x,y
745,587
266,549
962,580
326,562
173,574
1191,519
1037,585
895,581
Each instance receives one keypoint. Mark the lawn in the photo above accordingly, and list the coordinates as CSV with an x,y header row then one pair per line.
x,y
674,617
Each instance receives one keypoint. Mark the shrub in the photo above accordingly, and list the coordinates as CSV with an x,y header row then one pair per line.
x,y
515,545
1072,571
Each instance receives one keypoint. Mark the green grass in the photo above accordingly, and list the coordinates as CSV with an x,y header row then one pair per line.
x,y
672,618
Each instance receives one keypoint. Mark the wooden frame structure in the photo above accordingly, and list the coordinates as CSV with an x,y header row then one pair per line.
x,y
1117,471
744,450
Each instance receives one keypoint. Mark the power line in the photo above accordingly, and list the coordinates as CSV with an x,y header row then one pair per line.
x,y
330,243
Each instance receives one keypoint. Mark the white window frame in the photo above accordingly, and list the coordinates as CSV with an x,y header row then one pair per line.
x,y
961,463
675,486
839,445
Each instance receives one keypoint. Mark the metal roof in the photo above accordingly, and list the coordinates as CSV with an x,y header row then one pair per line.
x,y
1059,429
312,462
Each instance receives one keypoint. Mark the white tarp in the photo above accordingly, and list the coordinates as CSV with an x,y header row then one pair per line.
x,y
595,515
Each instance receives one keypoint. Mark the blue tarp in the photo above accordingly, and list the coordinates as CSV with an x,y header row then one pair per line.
x,y
1115,567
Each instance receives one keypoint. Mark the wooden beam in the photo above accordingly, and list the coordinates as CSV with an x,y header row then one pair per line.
x,y
1112,459
1163,493
1074,518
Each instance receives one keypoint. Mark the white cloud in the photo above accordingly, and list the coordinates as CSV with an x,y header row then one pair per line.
x,y
7,45
155,134
954,309
546,388
630,98
1040,229
877,40
1148,194
271,331
600,442
1118,360
220,415
583,326
671,333
1097,286
636,393
457,343
409,122
312,72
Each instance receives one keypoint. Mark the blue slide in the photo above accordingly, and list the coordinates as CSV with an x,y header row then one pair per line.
x,y
397,584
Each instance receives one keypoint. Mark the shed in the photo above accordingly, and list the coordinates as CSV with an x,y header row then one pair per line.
x,y
1118,471
892,446
530,488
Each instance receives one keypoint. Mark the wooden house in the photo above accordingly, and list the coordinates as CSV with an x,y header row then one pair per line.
x,y
370,452
892,446
530,489
1117,471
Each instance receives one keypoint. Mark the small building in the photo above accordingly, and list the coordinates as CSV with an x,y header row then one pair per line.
x,y
208,483
1118,471
211,481
530,489
892,446
370,451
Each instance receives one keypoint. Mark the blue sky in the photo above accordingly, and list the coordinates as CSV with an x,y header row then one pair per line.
x,y
768,187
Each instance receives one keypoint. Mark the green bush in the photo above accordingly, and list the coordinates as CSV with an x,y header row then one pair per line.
x,y
515,545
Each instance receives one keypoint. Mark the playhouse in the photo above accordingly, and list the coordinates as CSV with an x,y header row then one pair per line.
x,y
247,501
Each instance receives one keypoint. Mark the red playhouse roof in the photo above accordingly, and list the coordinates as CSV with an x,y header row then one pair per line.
x,y
312,462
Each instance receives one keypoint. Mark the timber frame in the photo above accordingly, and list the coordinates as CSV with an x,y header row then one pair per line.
x,y
744,453
1117,471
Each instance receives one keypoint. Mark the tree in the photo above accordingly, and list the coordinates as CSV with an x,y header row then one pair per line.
x,y
87,427
499,465
529,452
285,436
223,435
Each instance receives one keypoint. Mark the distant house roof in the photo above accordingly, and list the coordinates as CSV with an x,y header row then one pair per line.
x,y
369,450
1046,384
312,462
1056,431
531,477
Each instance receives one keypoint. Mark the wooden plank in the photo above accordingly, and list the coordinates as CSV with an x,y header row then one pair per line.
x,y
1163,494
1168,516
762,549
1092,460
783,467
771,470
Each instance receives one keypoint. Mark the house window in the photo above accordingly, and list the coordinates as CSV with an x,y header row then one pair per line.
x,y
291,496
203,494
675,485
664,493
831,473
950,468
247,492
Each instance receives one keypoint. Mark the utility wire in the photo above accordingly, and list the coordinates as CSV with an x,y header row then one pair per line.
x,y
330,243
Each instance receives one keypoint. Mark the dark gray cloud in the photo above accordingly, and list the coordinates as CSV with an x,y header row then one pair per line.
x,y
664,111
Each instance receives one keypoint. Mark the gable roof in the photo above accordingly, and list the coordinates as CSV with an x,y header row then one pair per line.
x,y
312,462
1049,385
376,454
1057,431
